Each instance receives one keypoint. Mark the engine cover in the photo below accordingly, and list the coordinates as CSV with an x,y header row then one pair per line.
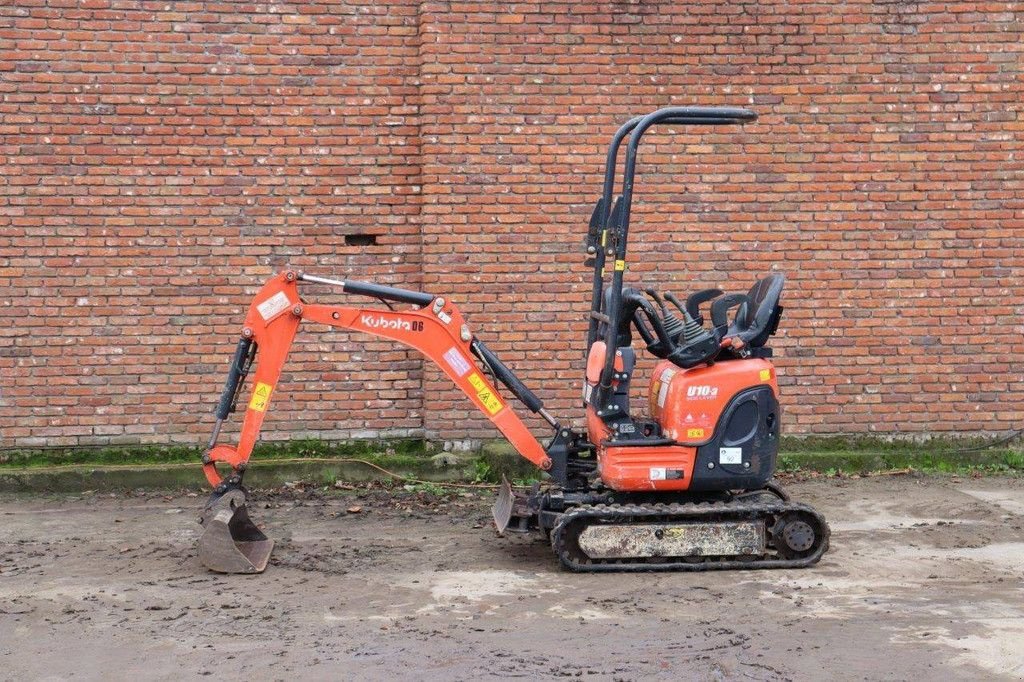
x,y
688,403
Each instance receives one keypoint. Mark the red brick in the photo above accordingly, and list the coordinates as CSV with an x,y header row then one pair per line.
x,y
156,166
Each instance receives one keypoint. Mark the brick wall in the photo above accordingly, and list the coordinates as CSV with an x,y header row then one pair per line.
x,y
159,160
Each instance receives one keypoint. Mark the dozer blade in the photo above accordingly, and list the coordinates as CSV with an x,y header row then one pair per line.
x,y
502,509
231,542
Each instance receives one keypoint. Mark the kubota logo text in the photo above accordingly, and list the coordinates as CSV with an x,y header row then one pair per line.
x,y
397,323
699,392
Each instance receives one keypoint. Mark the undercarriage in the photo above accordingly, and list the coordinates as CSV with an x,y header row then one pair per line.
x,y
601,530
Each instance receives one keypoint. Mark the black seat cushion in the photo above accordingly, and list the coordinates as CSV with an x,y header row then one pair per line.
x,y
757,320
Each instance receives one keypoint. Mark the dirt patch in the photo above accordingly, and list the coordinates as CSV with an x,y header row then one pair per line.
x,y
925,579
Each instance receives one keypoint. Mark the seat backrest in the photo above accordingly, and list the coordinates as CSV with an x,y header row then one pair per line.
x,y
755,325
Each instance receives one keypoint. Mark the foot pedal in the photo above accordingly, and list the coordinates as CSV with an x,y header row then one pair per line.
x,y
231,542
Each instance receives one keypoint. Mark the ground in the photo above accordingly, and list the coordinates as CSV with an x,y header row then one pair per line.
x,y
924,580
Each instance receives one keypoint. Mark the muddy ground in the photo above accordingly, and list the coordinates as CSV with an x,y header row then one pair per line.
x,y
924,581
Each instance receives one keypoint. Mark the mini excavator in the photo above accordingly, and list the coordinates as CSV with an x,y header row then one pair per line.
x,y
686,487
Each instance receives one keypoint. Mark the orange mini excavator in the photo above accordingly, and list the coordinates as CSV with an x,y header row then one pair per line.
x,y
688,487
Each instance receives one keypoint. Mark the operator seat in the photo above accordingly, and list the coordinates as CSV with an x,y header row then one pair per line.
x,y
757,315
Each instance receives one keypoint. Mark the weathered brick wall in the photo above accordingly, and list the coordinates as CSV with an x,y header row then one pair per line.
x,y
157,165
157,161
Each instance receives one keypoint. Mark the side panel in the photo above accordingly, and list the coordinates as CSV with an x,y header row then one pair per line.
x,y
597,430
635,469
743,451
688,403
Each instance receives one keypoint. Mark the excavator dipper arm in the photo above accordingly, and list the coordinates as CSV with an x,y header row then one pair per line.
x,y
231,542
437,329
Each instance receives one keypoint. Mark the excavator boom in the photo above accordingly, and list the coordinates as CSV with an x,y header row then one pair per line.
x,y
435,327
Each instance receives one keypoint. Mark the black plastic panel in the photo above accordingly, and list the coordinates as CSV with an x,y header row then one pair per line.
x,y
750,422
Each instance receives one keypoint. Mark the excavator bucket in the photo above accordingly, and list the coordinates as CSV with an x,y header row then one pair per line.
x,y
231,542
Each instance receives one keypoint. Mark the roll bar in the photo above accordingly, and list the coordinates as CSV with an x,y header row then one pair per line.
x,y
635,128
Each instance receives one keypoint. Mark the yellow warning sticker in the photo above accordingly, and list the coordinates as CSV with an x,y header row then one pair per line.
x,y
766,375
694,433
620,265
260,396
490,401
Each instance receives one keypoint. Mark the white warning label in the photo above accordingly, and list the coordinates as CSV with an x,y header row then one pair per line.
x,y
730,455
666,380
657,474
457,361
273,305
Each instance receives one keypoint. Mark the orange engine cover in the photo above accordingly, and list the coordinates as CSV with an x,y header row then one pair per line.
x,y
687,404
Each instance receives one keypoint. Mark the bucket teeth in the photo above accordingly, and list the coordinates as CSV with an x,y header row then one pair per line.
x,y
231,542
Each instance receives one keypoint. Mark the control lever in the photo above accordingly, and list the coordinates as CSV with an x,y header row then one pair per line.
x,y
673,327
659,344
694,345
693,332
702,347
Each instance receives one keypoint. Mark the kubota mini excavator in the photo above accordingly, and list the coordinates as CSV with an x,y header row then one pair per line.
x,y
688,487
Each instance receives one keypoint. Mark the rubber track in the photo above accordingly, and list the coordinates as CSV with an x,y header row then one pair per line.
x,y
672,513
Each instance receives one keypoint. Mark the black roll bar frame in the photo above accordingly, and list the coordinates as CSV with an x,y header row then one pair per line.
x,y
635,128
